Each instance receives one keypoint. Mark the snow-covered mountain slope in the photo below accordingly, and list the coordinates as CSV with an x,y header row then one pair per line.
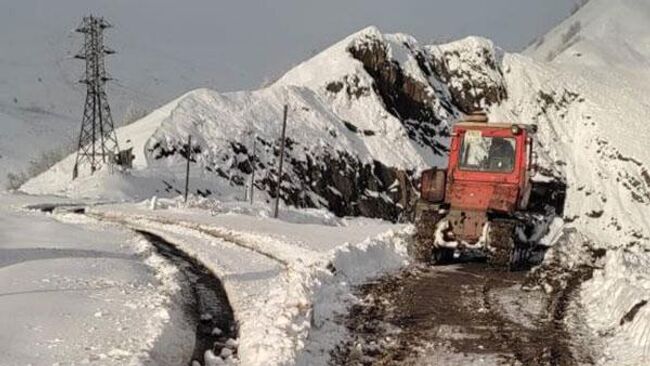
x,y
364,117
41,99
40,128
602,34
591,109
369,112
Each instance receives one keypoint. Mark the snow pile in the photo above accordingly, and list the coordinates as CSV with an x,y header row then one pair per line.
x,y
622,288
287,282
586,104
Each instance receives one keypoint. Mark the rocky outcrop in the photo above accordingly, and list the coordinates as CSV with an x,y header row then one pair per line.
x,y
409,100
421,90
471,70
337,181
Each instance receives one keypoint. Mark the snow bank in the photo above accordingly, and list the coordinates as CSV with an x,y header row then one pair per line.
x,y
332,287
287,282
591,133
615,302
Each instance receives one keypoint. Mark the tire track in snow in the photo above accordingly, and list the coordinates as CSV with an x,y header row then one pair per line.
x,y
247,241
208,307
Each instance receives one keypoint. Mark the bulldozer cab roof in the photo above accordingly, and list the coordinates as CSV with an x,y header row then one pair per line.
x,y
504,125
484,124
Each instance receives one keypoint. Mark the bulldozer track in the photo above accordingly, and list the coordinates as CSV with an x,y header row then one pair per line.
x,y
425,222
551,341
501,243
424,314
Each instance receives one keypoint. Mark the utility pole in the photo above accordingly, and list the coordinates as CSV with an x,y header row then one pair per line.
x,y
97,138
187,168
277,189
253,164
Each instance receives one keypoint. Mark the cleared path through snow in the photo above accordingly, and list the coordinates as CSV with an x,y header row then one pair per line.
x,y
463,314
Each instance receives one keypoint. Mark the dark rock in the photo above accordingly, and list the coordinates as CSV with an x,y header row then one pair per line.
x,y
334,86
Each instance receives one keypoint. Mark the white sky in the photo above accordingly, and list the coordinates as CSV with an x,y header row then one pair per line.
x,y
241,43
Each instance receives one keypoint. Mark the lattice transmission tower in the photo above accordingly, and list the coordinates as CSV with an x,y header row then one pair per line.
x,y
97,139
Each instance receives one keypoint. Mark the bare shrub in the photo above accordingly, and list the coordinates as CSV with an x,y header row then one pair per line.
x,y
44,161
15,180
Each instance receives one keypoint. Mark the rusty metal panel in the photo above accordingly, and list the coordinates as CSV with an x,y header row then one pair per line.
x,y
467,225
483,196
504,198
432,187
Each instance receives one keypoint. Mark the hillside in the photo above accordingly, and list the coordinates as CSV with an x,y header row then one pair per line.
x,y
599,58
380,92
41,99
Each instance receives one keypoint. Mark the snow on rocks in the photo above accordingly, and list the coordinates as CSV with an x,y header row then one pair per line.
x,y
615,306
379,91
211,359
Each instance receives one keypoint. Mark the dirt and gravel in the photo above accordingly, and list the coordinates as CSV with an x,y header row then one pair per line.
x,y
460,314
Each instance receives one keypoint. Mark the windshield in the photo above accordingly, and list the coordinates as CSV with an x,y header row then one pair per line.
x,y
487,154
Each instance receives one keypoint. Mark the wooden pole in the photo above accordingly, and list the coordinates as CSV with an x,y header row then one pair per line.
x,y
253,174
187,169
277,189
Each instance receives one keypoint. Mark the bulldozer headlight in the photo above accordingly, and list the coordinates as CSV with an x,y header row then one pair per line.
x,y
515,130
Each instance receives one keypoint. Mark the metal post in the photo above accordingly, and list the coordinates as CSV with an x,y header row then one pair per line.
x,y
187,169
277,189
253,174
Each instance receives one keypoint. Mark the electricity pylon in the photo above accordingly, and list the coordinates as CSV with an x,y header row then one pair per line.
x,y
97,139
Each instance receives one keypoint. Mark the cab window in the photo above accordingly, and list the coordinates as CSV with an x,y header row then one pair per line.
x,y
487,153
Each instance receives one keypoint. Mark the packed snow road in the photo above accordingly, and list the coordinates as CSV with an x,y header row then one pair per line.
x,y
75,294
463,314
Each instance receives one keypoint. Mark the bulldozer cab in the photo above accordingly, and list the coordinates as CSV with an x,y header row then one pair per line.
x,y
489,167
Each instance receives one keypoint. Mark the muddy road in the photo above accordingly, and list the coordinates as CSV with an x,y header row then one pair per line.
x,y
461,314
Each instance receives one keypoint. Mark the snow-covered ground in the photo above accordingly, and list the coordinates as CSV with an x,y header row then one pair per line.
x,y
96,292
584,85
286,279
73,291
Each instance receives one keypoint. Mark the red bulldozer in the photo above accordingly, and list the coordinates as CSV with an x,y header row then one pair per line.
x,y
480,203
